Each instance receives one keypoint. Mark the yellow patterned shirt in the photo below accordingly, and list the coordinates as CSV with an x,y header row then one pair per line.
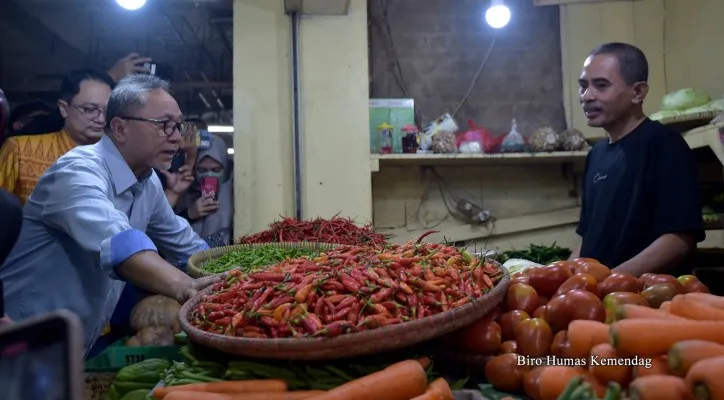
x,y
23,159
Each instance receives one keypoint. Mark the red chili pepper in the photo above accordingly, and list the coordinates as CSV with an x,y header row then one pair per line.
x,y
382,295
311,323
319,306
262,299
349,283
424,235
223,321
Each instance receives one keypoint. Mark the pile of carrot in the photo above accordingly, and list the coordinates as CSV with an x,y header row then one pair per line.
x,y
405,380
684,344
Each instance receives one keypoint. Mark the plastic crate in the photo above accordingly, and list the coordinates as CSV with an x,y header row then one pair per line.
x,y
117,356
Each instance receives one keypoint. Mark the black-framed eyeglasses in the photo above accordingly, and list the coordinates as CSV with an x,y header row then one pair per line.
x,y
91,112
169,126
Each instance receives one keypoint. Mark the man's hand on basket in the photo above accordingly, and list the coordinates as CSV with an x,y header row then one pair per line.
x,y
197,285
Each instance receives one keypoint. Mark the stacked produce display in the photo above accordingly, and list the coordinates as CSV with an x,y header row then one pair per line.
x,y
687,101
568,330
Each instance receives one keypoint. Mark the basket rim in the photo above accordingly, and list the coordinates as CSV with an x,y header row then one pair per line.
x,y
704,115
300,344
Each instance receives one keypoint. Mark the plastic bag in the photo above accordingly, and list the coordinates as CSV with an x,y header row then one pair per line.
x,y
513,142
444,142
572,140
544,139
476,140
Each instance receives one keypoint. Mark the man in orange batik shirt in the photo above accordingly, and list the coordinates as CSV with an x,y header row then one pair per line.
x,y
23,159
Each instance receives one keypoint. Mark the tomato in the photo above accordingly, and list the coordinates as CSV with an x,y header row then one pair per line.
x,y
581,304
687,280
568,264
546,280
579,281
531,382
509,321
559,346
534,337
519,279
481,337
698,287
554,314
598,271
618,282
615,299
504,373
662,278
659,293
539,312
584,260
509,346
521,297
643,279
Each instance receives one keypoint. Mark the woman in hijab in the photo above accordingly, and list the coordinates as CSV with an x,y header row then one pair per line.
x,y
209,204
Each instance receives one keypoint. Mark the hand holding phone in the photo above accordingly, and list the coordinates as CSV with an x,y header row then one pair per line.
x,y
203,207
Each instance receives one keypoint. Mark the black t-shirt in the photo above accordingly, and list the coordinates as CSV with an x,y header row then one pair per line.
x,y
636,189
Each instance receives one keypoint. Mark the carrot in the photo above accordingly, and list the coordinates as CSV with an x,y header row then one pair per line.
x,y
659,366
689,307
553,380
704,379
401,381
665,306
424,362
251,386
584,334
430,394
658,387
683,355
604,367
441,386
631,311
652,337
296,395
180,395
710,299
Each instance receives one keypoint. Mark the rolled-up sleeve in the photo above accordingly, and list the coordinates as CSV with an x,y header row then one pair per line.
x,y
173,235
74,201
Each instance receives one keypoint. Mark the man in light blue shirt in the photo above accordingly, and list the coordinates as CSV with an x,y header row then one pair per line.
x,y
92,220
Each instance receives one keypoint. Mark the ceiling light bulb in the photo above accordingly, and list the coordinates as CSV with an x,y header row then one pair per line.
x,y
498,15
131,4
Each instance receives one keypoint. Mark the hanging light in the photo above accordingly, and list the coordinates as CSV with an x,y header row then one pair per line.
x,y
498,15
131,4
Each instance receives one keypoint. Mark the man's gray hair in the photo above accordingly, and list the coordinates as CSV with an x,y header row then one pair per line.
x,y
129,95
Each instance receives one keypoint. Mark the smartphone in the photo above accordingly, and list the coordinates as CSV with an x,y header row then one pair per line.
x,y
42,358
178,161
209,186
151,67
204,139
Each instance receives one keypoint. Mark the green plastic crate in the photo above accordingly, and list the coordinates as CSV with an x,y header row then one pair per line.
x,y
117,356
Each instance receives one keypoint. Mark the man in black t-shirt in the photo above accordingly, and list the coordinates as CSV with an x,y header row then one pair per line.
x,y
641,207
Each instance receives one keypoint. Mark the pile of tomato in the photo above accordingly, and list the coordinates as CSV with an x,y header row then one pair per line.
x,y
540,304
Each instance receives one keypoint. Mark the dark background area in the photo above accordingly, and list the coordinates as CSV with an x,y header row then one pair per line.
x,y
426,49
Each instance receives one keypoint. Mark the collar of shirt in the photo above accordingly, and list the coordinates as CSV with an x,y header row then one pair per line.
x,y
121,174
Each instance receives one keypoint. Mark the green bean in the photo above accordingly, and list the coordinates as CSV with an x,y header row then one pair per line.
x,y
252,258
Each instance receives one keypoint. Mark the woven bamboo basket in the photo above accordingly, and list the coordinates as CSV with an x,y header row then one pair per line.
x,y
374,341
687,122
197,261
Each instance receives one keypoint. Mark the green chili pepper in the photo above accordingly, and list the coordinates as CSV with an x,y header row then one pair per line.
x,y
253,258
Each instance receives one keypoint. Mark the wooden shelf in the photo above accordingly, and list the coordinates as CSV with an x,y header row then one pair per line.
x,y
707,136
381,160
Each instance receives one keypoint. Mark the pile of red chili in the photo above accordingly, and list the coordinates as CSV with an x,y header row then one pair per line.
x,y
349,289
336,230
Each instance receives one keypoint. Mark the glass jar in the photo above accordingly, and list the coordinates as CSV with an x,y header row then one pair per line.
x,y
409,139
384,138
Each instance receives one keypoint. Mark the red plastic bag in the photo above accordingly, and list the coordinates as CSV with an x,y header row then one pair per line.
x,y
477,139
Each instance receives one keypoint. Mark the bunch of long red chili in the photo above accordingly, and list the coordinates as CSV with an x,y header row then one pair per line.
x,y
336,230
349,289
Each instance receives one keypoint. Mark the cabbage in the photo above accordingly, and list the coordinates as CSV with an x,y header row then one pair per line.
x,y
717,105
684,99
700,109
658,116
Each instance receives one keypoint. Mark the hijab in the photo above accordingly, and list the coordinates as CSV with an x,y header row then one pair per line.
x,y
221,221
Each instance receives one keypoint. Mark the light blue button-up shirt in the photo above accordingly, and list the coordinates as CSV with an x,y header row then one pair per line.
x,y
88,214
